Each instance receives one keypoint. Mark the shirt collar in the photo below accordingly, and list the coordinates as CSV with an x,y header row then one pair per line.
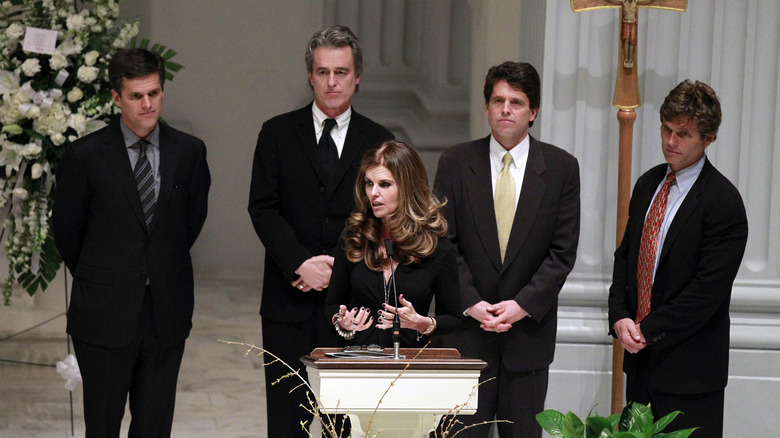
x,y
518,152
131,138
319,118
687,177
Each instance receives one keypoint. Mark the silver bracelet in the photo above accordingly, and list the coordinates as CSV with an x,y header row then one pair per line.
x,y
346,334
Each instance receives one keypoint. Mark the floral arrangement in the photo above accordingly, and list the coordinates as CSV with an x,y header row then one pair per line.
x,y
48,99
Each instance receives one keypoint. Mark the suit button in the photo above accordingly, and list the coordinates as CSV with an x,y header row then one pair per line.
x,y
322,189
327,219
323,250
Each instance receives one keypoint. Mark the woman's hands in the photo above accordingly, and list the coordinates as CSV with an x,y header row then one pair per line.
x,y
407,315
354,320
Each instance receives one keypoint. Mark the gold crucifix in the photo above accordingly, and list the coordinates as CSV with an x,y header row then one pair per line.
x,y
626,99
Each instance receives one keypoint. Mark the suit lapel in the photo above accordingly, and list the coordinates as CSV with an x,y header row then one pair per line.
x,y
118,161
353,144
308,140
480,192
169,157
531,195
687,207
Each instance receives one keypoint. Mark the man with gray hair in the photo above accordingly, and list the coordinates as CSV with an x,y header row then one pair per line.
x,y
303,177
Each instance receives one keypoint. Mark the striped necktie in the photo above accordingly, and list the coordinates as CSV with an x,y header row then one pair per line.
x,y
144,178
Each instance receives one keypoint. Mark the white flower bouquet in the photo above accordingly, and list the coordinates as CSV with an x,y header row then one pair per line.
x,y
53,89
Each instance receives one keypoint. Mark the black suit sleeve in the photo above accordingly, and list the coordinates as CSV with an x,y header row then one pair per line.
x,y
541,292
199,196
71,200
276,233
444,186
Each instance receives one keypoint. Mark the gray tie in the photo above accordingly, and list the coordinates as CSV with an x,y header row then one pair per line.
x,y
144,178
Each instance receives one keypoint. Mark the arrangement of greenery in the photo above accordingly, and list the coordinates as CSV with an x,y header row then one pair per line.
x,y
48,100
636,421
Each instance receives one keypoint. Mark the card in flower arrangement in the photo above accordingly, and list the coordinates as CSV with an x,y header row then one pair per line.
x,y
38,40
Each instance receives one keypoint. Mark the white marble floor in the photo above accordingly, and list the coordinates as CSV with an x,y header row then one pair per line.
x,y
221,392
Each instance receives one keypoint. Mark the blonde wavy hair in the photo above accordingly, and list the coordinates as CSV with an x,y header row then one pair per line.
x,y
415,227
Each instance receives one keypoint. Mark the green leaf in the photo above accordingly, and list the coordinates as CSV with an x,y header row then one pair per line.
x,y
170,53
642,419
13,129
626,419
573,427
173,66
596,425
661,424
677,434
552,422
614,419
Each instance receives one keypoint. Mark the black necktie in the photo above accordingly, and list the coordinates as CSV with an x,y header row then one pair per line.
x,y
144,178
328,152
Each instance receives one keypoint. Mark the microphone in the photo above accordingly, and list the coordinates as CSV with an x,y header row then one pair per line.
x,y
397,319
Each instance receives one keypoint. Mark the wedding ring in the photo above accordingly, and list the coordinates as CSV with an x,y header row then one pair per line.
x,y
300,286
354,326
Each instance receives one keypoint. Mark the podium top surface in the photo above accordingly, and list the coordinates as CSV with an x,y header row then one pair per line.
x,y
414,359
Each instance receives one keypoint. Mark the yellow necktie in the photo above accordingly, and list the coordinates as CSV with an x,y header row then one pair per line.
x,y
504,203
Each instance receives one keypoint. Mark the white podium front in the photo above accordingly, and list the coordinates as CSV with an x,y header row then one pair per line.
x,y
405,397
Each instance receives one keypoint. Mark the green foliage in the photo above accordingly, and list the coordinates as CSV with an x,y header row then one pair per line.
x,y
636,421
49,264
164,52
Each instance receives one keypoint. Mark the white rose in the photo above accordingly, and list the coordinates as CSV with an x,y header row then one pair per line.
x,y
15,30
87,74
33,113
78,122
31,150
75,22
20,193
36,171
31,66
75,95
57,139
57,61
91,57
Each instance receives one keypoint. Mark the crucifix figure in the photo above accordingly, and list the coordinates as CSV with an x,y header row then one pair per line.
x,y
628,28
626,99
627,83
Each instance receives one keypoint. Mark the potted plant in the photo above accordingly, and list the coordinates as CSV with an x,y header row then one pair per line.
x,y
636,421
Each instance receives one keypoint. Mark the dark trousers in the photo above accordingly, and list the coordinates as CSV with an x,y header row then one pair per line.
x,y
145,369
704,411
289,341
513,396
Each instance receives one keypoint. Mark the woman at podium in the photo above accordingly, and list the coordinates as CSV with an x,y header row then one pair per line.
x,y
393,259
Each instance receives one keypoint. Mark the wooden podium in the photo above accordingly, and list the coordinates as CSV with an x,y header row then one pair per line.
x,y
432,382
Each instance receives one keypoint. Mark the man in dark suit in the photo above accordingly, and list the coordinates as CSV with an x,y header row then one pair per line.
x,y
303,185
513,209
671,284
130,201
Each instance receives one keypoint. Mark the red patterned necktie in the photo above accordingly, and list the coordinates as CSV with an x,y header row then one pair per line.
x,y
648,247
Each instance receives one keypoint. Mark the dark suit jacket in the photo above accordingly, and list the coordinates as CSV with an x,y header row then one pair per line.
x,y
99,229
293,213
687,330
540,254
